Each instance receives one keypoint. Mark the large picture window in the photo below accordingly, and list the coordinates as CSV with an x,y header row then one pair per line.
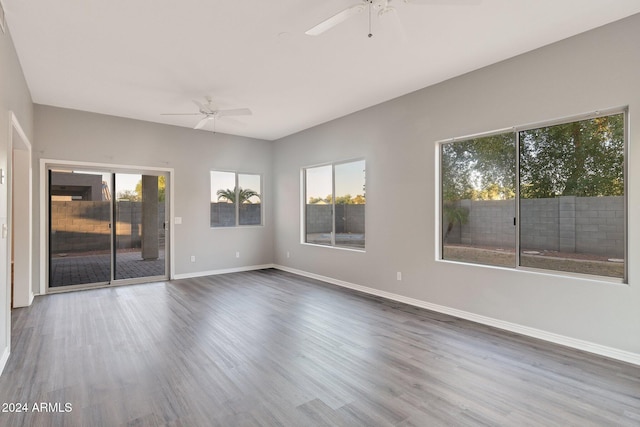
x,y
334,210
235,199
567,212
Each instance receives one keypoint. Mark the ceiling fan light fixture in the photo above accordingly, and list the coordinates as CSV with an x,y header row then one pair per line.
x,y
211,112
386,10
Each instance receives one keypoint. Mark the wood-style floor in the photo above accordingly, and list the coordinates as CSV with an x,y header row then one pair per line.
x,y
268,348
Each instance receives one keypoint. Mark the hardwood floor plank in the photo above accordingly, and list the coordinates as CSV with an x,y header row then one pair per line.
x,y
269,348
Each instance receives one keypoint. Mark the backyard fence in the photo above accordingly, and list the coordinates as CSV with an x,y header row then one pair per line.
x,y
224,214
80,226
349,218
587,225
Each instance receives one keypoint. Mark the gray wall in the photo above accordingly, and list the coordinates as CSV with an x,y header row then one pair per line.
x,y
81,136
589,72
14,97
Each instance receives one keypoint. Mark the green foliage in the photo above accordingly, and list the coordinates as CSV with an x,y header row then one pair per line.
x,y
454,213
316,200
243,195
347,199
129,195
479,169
359,200
584,158
162,184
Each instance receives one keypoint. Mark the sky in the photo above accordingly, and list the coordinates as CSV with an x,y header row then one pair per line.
x,y
124,181
227,181
349,177
349,180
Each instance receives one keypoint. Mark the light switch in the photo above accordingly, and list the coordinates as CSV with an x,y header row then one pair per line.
x,y
178,220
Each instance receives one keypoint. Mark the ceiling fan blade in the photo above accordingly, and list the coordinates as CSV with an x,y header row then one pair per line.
x,y
180,114
444,2
336,19
234,112
203,122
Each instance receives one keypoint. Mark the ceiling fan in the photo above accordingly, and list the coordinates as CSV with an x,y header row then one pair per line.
x,y
211,112
382,7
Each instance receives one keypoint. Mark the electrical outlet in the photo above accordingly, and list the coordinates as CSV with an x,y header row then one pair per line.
x,y
288,254
237,254
193,258
398,275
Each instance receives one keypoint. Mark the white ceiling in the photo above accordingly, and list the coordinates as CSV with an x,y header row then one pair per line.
x,y
141,58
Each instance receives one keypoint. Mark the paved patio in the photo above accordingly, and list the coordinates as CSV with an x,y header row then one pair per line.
x,y
74,269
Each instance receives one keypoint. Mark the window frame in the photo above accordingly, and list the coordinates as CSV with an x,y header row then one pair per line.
x,y
303,193
516,130
236,204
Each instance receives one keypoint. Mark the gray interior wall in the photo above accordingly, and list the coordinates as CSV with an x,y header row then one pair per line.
x,y
71,135
14,97
593,71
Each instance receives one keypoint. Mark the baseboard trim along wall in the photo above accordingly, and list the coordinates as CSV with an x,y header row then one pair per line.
x,y
223,271
4,359
587,346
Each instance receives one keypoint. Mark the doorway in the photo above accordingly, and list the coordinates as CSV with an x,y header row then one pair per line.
x,y
106,227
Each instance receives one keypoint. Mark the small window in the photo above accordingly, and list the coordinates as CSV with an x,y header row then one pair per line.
x,y
335,204
236,199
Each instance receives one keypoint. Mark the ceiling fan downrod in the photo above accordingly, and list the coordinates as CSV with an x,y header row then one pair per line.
x,y
370,6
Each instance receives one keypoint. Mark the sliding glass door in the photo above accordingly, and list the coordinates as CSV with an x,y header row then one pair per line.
x,y
139,226
106,227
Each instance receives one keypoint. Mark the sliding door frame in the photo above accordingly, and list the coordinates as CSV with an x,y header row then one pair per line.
x,y
46,164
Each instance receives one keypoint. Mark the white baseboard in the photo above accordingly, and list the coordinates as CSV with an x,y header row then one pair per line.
x,y
578,344
4,359
222,271
17,304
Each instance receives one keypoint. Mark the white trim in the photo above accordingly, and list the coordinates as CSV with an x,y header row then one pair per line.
x,y
516,130
4,359
342,248
437,168
611,352
14,126
223,271
237,205
23,145
475,135
43,226
108,167
3,22
171,224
